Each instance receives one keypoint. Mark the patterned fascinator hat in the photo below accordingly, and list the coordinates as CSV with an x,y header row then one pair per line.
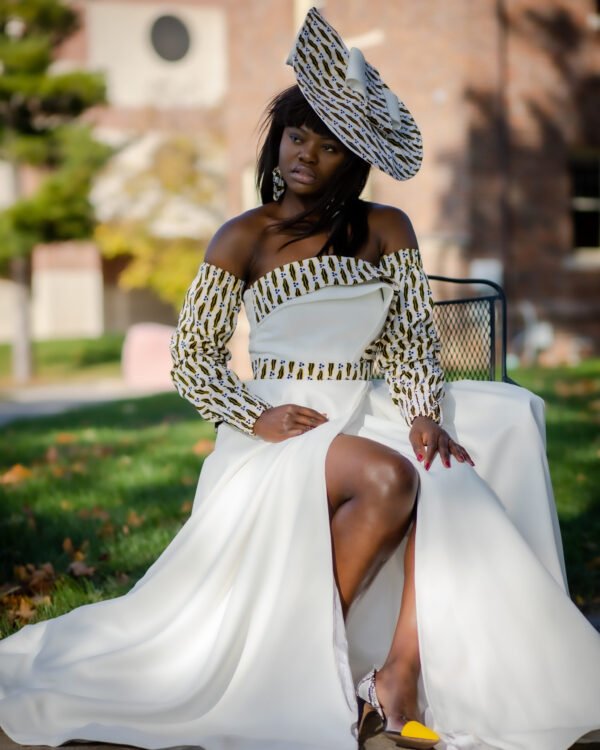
x,y
349,96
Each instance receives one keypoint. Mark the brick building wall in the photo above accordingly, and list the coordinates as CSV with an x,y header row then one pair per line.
x,y
504,93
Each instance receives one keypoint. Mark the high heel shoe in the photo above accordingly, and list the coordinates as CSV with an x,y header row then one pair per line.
x,y
372,721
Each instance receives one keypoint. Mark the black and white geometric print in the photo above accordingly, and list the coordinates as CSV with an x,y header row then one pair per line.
x,y
367,117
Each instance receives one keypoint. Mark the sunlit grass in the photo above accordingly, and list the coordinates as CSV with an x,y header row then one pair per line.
x,y
118,480
67,359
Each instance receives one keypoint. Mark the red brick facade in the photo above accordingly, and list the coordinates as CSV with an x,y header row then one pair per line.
x,y
505,93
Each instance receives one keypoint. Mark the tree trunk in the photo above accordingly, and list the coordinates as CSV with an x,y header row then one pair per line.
x,y
21,349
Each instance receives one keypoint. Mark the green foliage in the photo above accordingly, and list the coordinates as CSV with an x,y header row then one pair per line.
x,y
40,17
37,110
180,168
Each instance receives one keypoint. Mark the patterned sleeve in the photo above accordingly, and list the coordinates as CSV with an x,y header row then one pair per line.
x,y
409,345
200,354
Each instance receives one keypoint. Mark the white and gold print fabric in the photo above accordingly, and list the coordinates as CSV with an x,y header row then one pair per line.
x,y
199,351
406,350
409,346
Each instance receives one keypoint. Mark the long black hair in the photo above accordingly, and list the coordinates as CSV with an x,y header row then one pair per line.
x,y
339,211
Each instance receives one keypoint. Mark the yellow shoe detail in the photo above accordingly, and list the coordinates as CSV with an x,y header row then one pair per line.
x,y
418,731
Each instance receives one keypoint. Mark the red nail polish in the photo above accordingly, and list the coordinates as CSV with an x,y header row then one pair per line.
x,y
447,464
419,456
427,467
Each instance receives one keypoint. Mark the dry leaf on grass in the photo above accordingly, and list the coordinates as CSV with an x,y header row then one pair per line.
x,y
64,438
16,474
204,447
78,568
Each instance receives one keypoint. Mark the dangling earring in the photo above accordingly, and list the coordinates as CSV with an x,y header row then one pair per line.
x,y
278,184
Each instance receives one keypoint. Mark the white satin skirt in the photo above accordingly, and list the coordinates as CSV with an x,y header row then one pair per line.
x,y
233,640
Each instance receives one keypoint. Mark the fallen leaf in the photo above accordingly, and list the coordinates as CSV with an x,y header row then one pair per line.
x,y
107,529
581,477
52,454
204,447
79,569
79,555
64,438
125,528
187,480
8,588
21,574
67,546
186,507
25,610
100,513
16,474
134,520
41,599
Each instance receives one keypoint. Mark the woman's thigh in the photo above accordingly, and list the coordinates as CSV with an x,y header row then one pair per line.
x,y
356,465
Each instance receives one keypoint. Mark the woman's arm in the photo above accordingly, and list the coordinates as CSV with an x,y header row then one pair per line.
x,y
409,345
206,323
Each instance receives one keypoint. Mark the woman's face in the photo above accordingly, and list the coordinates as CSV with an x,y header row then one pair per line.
x,y
308,160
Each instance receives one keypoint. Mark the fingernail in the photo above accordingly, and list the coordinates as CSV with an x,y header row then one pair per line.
x,y
447,464
419,456
427,467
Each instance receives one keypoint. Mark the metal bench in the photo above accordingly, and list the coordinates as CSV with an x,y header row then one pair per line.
x,y
472,329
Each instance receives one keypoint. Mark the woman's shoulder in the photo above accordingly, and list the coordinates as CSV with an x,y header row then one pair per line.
x,y
232,246
391,227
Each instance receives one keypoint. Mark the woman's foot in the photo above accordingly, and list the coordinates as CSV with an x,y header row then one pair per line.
x,y
398,728
396,687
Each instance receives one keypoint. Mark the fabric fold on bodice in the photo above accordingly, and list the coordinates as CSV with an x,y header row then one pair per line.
x,y
326,334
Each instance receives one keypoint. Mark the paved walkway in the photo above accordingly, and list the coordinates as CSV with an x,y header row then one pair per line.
x,y
42,400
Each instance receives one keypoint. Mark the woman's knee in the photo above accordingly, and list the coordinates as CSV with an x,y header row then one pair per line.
x,y
391,485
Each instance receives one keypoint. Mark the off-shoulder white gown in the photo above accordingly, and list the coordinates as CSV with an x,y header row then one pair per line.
x,y
233,640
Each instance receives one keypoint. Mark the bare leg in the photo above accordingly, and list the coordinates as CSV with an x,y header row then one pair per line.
x,y
397,679
372,491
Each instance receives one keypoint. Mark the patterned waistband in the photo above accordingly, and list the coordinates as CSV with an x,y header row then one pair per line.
x,y
279,369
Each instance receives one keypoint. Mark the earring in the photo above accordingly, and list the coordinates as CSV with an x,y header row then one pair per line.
x,y
278,184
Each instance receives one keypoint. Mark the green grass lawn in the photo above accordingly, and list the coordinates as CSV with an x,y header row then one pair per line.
x,y
99,493
68,359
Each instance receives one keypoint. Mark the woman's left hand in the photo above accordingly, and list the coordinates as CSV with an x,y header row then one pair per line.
x,y
428,438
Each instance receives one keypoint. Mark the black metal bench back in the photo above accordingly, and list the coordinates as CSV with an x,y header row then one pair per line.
x,y
472,331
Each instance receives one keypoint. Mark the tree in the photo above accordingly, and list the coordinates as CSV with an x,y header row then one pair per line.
x,y
38,111
160,218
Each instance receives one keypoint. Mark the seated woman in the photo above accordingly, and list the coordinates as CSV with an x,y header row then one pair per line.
x,y
340,530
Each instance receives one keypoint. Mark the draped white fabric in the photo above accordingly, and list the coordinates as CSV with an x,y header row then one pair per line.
x,y
233,640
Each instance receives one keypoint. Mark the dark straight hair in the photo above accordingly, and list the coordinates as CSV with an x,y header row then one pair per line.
x,y
339,211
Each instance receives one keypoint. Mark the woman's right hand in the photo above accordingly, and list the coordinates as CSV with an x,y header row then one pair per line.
x,y
286,421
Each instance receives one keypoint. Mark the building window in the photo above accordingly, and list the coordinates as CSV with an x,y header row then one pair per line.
x,y
170,38
585,201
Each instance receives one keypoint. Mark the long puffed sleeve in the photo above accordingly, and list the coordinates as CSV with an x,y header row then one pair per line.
x,y
200,354
409,345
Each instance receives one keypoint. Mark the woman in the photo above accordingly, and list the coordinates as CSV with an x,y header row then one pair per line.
x,y
235,637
